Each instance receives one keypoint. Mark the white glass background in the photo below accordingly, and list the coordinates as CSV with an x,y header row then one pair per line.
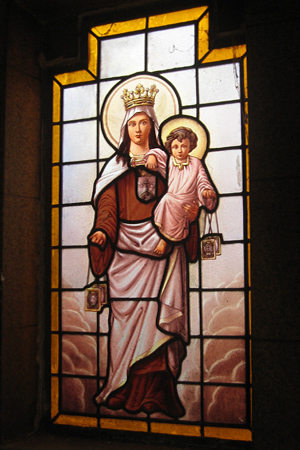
x,y
80,102
168,49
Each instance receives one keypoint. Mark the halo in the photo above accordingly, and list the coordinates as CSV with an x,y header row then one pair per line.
x,y
189,122
166,104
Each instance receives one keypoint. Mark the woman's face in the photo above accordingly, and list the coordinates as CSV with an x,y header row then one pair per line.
x,y
139,127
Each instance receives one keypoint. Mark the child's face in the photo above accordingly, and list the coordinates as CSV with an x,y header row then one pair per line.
x,y
180,150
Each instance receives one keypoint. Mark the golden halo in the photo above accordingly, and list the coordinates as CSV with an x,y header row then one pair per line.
x,y
166,104
188,122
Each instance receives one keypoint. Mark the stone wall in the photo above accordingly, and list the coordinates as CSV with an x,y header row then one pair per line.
x,y
272,36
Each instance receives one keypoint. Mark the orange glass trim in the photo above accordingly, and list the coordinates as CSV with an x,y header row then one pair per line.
x,y
180,430
249,265
54,353
126,425
54,311
250,328
54,396
79,421
93,54
247,171
224,54
203,36
55,227
186,15
79,76
250,351
55,143
251,405
236,434
54,268
56,103
245,77
112,29
246,122
248,214
55,185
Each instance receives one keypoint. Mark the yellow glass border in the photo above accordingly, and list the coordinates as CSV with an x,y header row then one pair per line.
x,y
215,55
54,311
78,421
246,122
245,76
54,397
175,429
249,265
92,54
235,434
55,143
247,171
112,29
204,56
55,227
185,15
160,20
79,76
54,268
56,102
125,425
55,185
203,36
54,354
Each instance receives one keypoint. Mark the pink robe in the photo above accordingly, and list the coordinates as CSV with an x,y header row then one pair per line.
x,y
185,186
148,295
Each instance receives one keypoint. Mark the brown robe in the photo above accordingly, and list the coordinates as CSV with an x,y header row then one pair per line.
x,y
150,386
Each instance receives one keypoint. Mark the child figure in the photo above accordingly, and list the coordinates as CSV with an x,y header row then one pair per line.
x,y
188,186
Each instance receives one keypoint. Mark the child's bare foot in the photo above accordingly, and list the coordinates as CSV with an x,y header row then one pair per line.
x,y
161,247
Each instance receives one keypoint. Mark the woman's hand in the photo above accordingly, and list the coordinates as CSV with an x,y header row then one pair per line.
x,y
151,162
210,198
98,238
192,211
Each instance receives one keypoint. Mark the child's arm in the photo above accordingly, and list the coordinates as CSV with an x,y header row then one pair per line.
x,y
207,194
151,162
160,160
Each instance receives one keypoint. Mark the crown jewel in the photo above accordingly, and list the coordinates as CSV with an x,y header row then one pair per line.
x,y
140,96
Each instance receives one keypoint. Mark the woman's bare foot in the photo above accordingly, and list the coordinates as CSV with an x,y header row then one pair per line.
x,y
161,247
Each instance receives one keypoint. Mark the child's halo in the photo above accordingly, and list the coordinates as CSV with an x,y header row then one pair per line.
x,y
189,122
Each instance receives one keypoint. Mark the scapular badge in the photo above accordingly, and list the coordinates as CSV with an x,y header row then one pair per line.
x,y
211,241
146,186
95,297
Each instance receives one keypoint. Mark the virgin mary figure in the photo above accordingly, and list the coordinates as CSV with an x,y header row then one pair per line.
x,y
148,292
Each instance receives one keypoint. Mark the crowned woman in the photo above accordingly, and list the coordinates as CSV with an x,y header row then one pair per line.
x,y
148,295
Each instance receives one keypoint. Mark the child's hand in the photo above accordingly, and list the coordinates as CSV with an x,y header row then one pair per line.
x,y
98,238
151,162
210,198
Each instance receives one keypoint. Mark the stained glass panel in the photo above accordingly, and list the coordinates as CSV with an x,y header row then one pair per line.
x,y
169,314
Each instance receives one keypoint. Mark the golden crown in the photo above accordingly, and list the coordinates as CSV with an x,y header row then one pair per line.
x,y
140,96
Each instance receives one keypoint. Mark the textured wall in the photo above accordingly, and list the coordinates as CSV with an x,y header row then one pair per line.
x,y
21,230
273,36
272,32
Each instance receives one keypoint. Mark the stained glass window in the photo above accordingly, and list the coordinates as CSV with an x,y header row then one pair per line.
x,y
197,358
